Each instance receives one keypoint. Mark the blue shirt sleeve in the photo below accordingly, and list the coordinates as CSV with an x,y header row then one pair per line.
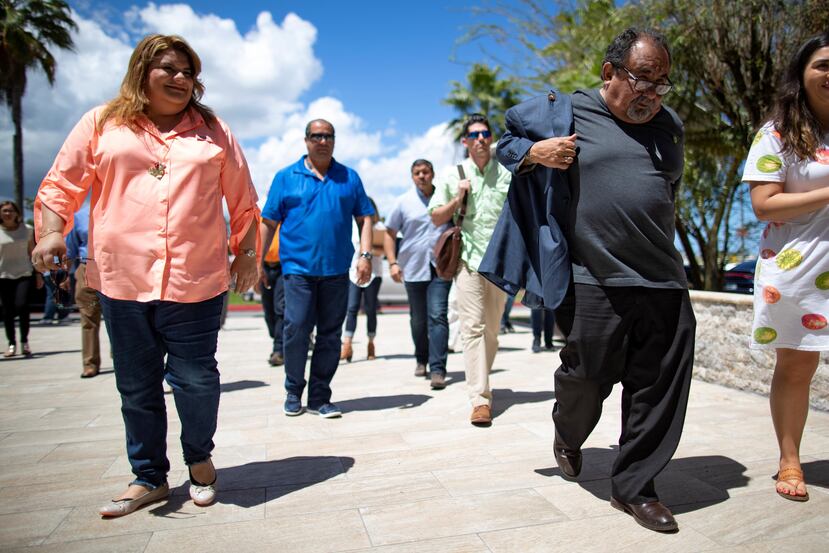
x,y
273,205
362,206
395,219
72,244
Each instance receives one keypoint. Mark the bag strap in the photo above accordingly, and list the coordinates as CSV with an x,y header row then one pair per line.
x,y
462,214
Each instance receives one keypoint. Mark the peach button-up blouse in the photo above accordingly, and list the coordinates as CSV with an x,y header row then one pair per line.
x,y
154,237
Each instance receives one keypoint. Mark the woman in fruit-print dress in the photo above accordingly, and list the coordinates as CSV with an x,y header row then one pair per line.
x,y
788,171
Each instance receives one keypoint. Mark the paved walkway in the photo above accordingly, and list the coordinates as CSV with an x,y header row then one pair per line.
x,y
402,471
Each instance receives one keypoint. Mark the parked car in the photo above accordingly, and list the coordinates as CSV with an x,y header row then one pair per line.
x,y
740,278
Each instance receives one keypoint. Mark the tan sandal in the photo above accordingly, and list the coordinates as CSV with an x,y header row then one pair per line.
x,y
789,475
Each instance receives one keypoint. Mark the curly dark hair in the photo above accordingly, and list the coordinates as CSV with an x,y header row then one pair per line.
x,y
799,128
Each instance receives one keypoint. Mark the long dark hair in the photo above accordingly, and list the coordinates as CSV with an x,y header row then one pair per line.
x,y
799,128
19,218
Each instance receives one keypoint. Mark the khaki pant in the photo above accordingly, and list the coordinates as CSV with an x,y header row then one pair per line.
x,y
480,305
87,301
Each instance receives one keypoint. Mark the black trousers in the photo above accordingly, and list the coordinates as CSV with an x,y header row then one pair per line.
x,y
14,294
643,338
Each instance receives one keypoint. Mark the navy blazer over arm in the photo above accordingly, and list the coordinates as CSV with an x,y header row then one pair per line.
x,y
528,249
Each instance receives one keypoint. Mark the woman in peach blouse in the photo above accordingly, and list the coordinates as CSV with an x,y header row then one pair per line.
x,y
157,164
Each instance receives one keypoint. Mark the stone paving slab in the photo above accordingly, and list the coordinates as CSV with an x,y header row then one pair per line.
x,y
402,471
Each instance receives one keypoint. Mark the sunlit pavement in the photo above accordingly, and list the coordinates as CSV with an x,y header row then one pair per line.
x,y
401,471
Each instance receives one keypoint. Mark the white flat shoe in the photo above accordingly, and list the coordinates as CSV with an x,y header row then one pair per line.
x,y
203,494
121,507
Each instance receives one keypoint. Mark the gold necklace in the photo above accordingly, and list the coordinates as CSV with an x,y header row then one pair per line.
x,y
159,168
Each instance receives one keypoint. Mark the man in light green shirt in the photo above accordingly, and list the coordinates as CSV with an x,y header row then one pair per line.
x,y
480,303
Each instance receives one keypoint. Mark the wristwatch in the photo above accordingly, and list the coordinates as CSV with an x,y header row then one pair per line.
x,y
366,255
249,253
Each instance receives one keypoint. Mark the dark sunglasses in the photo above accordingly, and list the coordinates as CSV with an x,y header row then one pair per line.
x,y
473,135
319,137
61,296
58,277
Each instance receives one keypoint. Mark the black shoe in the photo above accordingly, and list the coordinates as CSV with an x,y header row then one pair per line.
x,y
653,515
549,346
536,345
569,460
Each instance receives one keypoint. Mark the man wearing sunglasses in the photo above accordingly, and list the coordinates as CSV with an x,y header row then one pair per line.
x,y
316,201
480,303
607,163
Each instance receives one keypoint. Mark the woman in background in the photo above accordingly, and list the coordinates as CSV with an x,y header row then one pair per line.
x,y
367,295
788,171
16,244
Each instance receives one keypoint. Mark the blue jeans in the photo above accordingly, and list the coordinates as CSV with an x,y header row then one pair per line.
x,y
428,304
50,308
141,334
368,295
273,304
507,311
311,301
545,318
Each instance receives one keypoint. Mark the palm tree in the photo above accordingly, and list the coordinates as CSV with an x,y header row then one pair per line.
x,y
484,93
27,29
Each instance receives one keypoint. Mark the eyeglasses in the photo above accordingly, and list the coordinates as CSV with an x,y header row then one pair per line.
x,y
473,135
319,137
644,85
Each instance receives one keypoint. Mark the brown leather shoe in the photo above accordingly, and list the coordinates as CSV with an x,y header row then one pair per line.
x,y
569,460
371,355
89,372
481,416
653,515
420,370
438,381
346,352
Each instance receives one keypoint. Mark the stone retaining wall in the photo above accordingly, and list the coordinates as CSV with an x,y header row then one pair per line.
x,y
722,353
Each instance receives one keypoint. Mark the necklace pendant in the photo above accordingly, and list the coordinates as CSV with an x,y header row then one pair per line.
x,y
157,170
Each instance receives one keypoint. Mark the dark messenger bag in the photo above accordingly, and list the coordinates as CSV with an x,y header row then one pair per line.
x,y
448,247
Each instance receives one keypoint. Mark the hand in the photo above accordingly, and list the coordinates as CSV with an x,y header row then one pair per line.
x,y
50,247
396,273
64,285
363,270
263,283
38,280
556,153
246,271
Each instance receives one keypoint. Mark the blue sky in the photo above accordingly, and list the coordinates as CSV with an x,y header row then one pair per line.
x,y
377,69
389,62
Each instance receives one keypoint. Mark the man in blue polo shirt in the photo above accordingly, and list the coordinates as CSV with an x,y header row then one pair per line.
x,y
316,199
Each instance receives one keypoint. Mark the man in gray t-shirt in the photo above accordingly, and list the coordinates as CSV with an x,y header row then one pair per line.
x,y
627,316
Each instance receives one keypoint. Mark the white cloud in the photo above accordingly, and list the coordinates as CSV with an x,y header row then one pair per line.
x,y
388,177
254,81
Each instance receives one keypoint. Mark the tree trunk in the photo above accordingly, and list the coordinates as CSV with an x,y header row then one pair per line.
x,y
17,145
